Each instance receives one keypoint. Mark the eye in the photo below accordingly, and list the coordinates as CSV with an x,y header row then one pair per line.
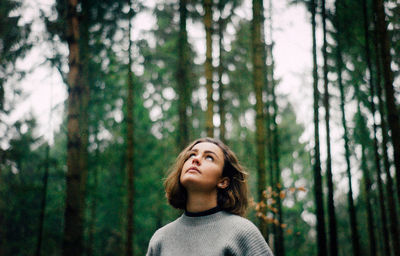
x,y
210,158
191,155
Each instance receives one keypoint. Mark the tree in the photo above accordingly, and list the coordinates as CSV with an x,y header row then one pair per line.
x,y
208,21
258,53
321,235
73,227
130,143
392,112
339,64
274,140
331,204
182,77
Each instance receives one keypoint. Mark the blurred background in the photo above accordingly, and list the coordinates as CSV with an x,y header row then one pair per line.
x,y
97,99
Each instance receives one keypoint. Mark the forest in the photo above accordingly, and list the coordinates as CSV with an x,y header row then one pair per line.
x,y
324,167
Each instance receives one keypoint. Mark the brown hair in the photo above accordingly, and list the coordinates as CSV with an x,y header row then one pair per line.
x,y
232,199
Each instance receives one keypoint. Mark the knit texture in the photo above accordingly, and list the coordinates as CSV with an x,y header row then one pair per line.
x,y
217,234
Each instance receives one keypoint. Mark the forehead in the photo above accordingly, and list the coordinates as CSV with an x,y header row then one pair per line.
x,y
203,146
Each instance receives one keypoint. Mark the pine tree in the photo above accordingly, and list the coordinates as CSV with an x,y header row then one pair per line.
x,y
321,235
73,227
182,77
258,49
130,143
208,22
331,204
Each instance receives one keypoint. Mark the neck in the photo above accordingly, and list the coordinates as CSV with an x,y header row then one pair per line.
x,y
199,202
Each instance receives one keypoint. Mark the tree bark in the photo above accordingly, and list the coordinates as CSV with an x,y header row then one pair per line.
x,y
279,239
208,67
371,232
184,97
130,145
392,111
382,207
258,49
370,217
352,209
333,245
321,234
73,225
221,101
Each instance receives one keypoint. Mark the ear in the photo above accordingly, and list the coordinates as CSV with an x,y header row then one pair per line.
x,y
223,183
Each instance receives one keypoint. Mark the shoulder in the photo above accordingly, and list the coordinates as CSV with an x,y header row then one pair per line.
x,y
164,231
159,236
240,223
247,236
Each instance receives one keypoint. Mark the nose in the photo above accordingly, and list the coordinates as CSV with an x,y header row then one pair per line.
x,y
196,159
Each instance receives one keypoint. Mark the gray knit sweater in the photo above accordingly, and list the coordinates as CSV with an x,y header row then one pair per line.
x,y
217,234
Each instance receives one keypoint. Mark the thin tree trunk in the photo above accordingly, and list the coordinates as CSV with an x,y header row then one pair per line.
x,y
331,204
208,67
43,203
385,232
352,210
370,217
279,239
130,145
221,105
371,233
269,142
258,49
73,224
182,77
280,246
321,234
392,111
393,118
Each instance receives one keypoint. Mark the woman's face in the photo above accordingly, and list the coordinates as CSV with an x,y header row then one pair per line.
x,y
202,171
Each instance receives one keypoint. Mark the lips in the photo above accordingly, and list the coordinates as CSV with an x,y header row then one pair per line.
x,y
193,169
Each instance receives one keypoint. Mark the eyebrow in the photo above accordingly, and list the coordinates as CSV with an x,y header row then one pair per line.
x,y
206,151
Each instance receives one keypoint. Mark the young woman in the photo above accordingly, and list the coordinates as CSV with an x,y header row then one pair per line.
x,y
208,182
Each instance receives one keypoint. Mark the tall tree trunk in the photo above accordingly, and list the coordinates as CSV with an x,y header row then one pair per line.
x,y
258,50
73,224
208,21
130,144
183,135
383,127
382,207
383,54
279,239
268,117
352,210
331,205
371,232
370,217
43,203
85,83
392,111
221,101
321,234
279,245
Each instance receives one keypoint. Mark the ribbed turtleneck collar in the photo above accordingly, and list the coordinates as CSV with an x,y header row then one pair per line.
x,y
203,213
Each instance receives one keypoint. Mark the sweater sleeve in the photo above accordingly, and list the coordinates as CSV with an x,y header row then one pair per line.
x,y
252,243
154,246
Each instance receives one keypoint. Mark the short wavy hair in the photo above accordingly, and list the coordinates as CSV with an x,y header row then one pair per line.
x,y
233,199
